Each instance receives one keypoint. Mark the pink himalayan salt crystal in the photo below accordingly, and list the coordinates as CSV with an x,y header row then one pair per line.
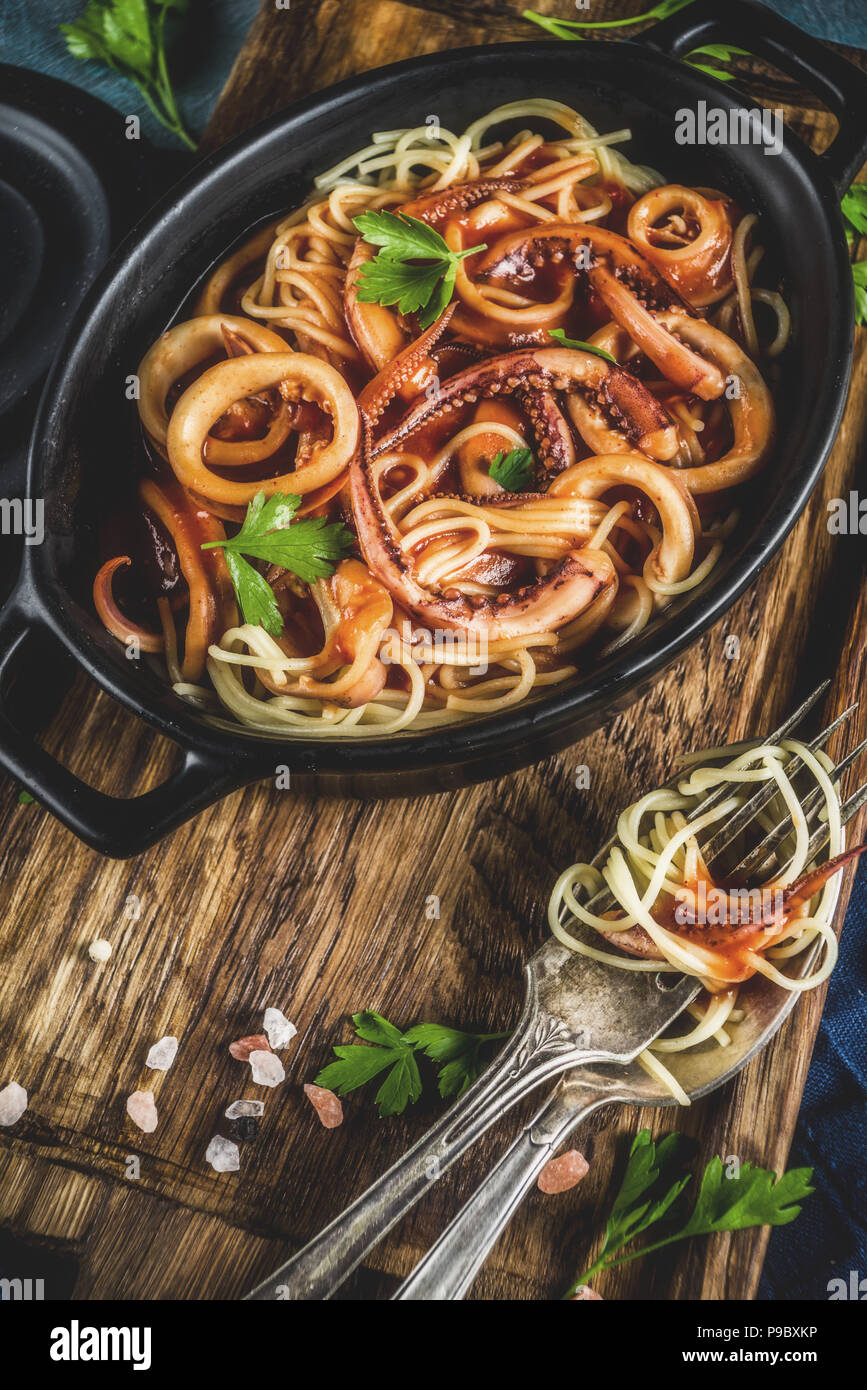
x,y
142,1111
564,1172
257,1042
587,1295
326,1104
13,1103
266,1068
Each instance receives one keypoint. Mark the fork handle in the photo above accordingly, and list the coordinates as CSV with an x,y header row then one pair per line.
x,y
450,1266
537,1051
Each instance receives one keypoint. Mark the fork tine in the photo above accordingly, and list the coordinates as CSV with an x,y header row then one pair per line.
x,y
720,793
713,847
762,858
850,807
603,900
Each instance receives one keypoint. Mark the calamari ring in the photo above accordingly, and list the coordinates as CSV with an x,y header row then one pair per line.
x,y
112,618
503,324
697,266
212,598
591,479
180,350
752,410
220,386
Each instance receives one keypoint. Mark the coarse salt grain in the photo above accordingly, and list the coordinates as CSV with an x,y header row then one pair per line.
x,y
326,1104
223,1155
13,1103
142,1110
587,1295
280,1031
241,1049
267,1069
564,1172
239,1109
162,1054
99,950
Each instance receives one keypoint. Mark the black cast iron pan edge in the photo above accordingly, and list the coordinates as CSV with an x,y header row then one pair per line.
x,y
212,764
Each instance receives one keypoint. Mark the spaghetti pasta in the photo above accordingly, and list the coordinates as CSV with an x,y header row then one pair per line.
x,y
671,916
288,380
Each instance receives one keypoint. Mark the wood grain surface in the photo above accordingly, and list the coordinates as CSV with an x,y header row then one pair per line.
x,y
323,907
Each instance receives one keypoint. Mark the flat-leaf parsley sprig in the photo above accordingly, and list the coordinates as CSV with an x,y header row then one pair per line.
x,y
854,209
310,548
414,268
513,470
571,29
459,1056
578,343
128,36
653,1183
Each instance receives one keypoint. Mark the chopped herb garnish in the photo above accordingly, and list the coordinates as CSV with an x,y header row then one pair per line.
x,y
854,207
128,36
514,470
310,548
459,1056
395,275
859,277
570,29
565,28
653,1182
25,799
559,336
723,52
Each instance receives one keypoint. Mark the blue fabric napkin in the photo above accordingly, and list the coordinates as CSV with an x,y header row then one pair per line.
x,y
208,40
829,1239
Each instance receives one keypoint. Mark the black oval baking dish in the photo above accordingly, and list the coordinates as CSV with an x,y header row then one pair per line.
x,y
83,421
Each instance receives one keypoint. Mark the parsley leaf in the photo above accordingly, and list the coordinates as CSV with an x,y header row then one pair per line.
x,y
311,549
751,1197
394,276
564,28
357,1065
854,207
128,37
569,29
25,798
255,595
514,470
859,277
458,1055
723,52
560,337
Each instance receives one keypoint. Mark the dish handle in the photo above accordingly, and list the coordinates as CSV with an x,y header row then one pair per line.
x,y
113,825
841,85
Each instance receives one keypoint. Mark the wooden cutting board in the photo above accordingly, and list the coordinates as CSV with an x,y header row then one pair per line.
x,y
323,908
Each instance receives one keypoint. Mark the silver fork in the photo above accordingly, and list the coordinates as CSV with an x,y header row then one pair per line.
x,y
577,1013
452,1263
